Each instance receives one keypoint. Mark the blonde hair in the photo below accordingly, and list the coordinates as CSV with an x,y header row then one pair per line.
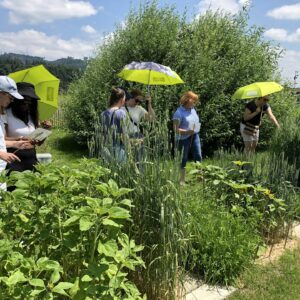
x,y
188,95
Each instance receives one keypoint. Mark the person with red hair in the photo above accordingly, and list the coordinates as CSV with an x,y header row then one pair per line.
x,y
186,124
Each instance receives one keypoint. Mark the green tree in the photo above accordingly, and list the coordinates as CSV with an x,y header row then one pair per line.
x,y
215,54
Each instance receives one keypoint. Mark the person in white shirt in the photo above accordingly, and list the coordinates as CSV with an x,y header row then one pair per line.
x,y
22,120
8,92
135,115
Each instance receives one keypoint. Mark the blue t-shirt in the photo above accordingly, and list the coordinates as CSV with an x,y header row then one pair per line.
x,y
112,122
187,118
113,118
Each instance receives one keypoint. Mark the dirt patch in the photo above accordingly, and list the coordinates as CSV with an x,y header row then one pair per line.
x,y
273,252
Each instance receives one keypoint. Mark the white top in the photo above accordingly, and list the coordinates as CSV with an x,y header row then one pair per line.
x,y
16,127
137,113
2,141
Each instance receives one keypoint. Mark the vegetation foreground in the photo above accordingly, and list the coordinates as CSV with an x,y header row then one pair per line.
x,y
97,229
79,230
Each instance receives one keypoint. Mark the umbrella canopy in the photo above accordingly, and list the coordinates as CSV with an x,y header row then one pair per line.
x,y
257,89
149,73
46,87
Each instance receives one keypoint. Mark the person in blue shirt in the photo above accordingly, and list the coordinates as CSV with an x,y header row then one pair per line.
x,y
186,124
112,123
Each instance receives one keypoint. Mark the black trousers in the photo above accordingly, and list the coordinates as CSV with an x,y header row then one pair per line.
x,y
28,160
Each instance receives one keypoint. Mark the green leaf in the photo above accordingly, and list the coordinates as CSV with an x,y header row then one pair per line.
x,y
36,292
44,263
86,278
85,224
92,202
118,213
55,276
16,277
111,223
37,282
23,218
61,287
109,248
71,221
127,202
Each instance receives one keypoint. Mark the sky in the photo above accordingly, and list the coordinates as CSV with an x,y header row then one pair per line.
x,y
54,29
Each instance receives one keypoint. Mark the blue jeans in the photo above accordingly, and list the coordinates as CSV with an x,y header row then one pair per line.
x,y
192,144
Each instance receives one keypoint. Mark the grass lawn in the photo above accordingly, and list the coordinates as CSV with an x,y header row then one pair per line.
x,y
275,281
63,148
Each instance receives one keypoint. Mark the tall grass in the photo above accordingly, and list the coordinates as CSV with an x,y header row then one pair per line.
x,y
277,171
158,218
287,142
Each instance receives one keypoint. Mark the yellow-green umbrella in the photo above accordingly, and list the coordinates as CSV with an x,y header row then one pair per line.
x,y
46,87
149,73
257,89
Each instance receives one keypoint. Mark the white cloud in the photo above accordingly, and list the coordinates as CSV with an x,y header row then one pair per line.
x,y
88,29
229,6
37,43
41,11
286,12
289,64
282,35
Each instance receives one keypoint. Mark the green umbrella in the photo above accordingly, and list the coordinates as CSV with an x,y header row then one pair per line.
x,y
257,89
46,87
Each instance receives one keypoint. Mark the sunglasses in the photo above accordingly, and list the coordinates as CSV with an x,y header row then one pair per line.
x,y
138,100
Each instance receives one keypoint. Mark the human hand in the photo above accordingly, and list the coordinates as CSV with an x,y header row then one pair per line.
x,y
189,132
258,109
46,124
148,98
22,144
9,157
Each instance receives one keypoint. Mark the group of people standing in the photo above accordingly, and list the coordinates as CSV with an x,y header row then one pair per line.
x,y
18,119
125,114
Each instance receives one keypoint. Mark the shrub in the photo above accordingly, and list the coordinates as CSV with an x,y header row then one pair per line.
x,y
215,54
287,140
61,236
232,189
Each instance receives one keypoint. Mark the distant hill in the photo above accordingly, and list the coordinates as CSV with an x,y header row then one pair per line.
x,y
66,69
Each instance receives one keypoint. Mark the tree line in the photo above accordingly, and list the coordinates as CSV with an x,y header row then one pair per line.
x,y
66,69
213,53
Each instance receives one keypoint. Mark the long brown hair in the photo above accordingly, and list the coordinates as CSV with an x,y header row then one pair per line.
x,y
115,96
23,112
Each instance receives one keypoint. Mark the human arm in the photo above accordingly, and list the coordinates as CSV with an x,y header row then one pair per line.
x,y
248,114
272,117
19,144
9,157
181,131
150,114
